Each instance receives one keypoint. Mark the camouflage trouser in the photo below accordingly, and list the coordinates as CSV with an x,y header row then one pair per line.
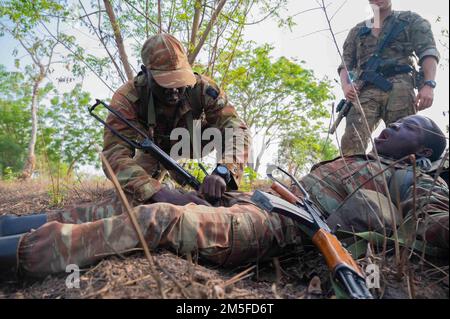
x,y
227,236
377,105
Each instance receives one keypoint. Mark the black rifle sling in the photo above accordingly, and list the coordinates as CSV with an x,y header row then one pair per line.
x,y
147,112
395,28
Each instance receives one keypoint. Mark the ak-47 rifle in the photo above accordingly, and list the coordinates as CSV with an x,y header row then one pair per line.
x,y
147,145
342,265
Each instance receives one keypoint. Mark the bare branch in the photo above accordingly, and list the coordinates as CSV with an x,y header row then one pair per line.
x,y
146,18
193,55
119,71
89,14
308,10
257,21
159,16
195,24
171,17
339,9
119,39
142,14
80,58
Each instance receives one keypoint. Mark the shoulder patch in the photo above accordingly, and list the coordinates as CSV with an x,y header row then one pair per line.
x,y
212,92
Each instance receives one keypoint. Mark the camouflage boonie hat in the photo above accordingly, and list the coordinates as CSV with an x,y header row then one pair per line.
x,y
167,61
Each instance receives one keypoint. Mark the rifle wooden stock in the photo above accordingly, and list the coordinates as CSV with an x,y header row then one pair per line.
x,y
285,193
333,251
301,209
326,242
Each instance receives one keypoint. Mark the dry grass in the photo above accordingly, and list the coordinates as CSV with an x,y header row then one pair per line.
x,y
115,277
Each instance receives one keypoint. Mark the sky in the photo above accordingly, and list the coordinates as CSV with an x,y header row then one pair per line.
x,y
307,42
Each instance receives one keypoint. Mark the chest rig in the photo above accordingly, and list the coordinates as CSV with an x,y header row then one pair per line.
x,y
157,124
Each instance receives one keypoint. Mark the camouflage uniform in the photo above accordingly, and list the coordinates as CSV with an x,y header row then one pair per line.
x,y
136,171
345,190
237,231
417,39
222,235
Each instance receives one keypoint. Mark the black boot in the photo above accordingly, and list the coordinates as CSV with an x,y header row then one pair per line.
x,y
12,225
9,259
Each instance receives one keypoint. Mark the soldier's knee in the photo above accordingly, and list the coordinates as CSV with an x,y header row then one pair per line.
x,y
52,227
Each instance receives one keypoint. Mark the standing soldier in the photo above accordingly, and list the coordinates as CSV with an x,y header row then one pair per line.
x,y
383,58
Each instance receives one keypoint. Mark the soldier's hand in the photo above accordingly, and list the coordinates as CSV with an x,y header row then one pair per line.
x,y
350,92
213,187
165,195
424,98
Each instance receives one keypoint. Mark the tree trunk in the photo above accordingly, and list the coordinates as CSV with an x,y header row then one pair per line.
x,y
119,40
77,158
31,160
195,25
259,157
193,55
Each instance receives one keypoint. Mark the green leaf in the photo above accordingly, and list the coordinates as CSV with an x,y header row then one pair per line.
x,y
378,239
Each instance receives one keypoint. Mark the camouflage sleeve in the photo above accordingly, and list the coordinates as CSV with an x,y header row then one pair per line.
x,y
221,114
426,211
430,197
349,51
422,38
133,178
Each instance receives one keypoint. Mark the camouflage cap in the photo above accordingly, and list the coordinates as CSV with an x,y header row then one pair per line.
x,y
167,61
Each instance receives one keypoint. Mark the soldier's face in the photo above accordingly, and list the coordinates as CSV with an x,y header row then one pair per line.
x,y
402,138
382,4
170,97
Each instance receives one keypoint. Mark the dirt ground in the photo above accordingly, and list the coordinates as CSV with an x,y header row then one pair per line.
x,y
300,275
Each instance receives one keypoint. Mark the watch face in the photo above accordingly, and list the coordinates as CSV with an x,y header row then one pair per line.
x,y
222,170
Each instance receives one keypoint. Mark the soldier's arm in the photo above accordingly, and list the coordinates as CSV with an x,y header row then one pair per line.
x,y
222,115
429,66
422,39
133,178
348,63
348,55
429,204
430,197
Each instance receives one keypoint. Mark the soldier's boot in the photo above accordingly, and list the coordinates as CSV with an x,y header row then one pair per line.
x,y
12,225
9,260
436,233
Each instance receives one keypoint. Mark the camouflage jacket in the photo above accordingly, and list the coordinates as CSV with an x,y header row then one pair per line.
x,y
205,101
416,40
346,186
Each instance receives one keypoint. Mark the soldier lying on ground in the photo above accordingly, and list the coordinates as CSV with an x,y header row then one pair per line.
x,y
239,232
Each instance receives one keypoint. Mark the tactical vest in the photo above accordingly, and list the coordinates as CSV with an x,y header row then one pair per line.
x,y
145,101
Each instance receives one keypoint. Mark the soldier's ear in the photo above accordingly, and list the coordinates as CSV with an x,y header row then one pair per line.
x,y
425,152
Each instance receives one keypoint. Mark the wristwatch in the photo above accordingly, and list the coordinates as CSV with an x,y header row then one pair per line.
x,y
224,172
430,83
